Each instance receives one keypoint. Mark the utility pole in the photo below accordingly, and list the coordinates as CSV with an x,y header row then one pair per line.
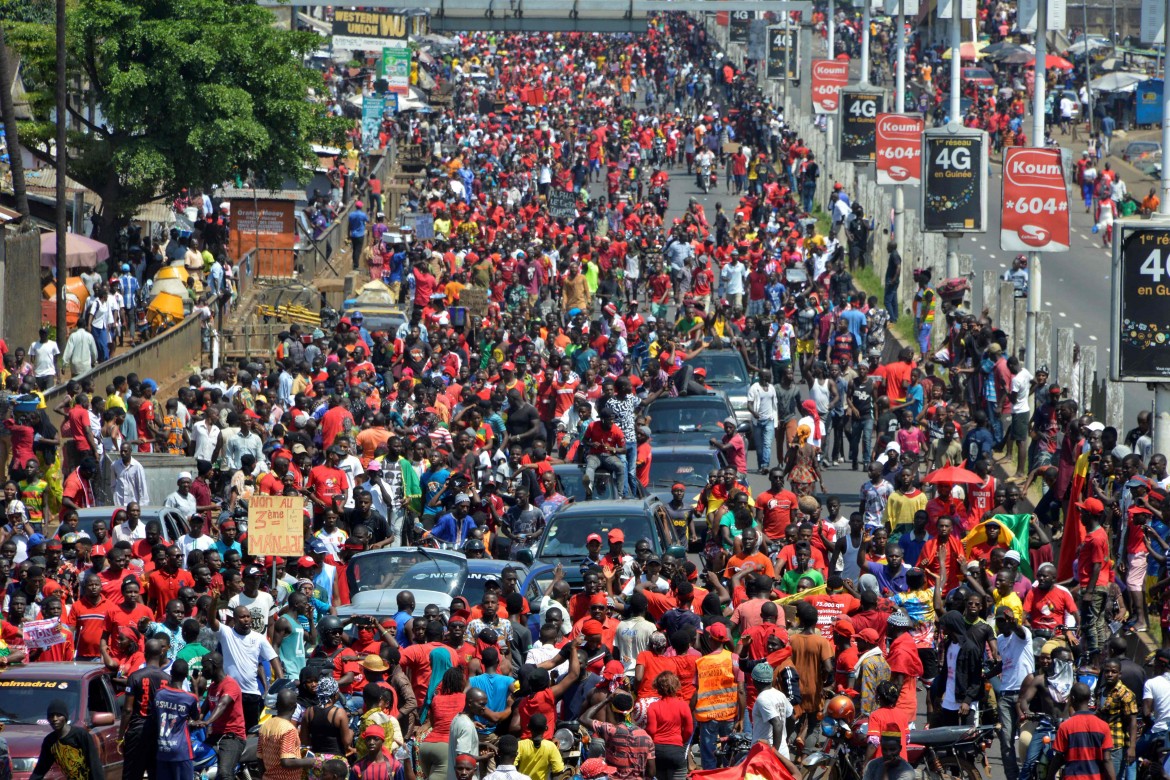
x,y
900,107
831,21
1088,72
62,167
1040,84
1162,390
865,41
952,267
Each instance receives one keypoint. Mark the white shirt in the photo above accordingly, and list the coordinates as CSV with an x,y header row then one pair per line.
x,y
205,439
123,532
949,702
44,358
185,504
1018,659
733,275
771,703
1158,690
1021,384
762,401
101,313
242,656
261,607
187,543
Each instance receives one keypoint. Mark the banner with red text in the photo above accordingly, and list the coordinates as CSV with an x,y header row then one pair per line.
x,y
1035,201
899,149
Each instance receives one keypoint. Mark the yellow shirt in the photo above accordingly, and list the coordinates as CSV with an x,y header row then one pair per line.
x,y
442,227
539,762
113,399
1010,600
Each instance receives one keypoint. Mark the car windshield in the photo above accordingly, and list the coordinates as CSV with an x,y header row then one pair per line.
x,y
24,701
408,569
573,487
674,418
723,368
568,531
666,469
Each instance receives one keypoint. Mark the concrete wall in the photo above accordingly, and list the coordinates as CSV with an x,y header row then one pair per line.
x,y
20,287
177,350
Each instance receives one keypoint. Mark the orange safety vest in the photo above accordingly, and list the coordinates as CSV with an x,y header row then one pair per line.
x,y
718,691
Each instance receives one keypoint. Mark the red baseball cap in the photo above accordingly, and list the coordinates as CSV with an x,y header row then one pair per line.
x,y
718,632
1091,505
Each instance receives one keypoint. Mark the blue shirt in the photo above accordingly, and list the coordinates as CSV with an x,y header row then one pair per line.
x,y
911,547
451,530
496,687
400,619
977,443
857,321
432,482
887,584
173,709
357,223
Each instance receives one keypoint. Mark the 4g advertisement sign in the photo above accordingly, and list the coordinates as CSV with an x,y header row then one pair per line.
x,y
828,77
954,181
857,137
1035,202
899,148
1141,294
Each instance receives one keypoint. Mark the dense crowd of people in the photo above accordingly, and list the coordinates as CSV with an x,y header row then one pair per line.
x,y
446,433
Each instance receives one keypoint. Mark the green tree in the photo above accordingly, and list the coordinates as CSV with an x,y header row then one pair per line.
x,y
187,92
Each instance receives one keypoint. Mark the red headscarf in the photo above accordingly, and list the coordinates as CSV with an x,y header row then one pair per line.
x,y
810,406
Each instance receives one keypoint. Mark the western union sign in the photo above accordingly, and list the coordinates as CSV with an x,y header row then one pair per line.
x,y
374,30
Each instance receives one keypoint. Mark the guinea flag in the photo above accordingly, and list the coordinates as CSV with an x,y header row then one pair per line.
x,y
1014,530
762,763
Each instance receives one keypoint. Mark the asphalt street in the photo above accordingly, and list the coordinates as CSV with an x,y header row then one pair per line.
x,y
841,481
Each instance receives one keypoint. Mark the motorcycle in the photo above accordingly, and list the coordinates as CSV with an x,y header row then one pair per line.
x,y
842,756
951,752
732,749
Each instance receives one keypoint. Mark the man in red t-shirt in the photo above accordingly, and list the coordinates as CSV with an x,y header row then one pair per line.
x,y
1084,743
328,482
1094,573
333,422
225,718
604,442
775,506
164,583
87,618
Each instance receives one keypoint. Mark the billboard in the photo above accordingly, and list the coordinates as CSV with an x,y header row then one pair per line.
x,y
954,180
1034,211
783,46
371,30
899,148
828,77
740,23
1140,330
857,132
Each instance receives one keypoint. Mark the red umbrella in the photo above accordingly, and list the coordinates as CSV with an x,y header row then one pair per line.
x,y
1052,61
953,475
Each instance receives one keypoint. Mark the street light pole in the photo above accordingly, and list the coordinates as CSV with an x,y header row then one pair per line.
x,y
1162,390
900,108
832,28
865,41
1040,84
952,266
1088,70
62,167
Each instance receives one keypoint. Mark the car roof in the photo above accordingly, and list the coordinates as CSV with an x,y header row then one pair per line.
x,y
715,399
683,449
55,670
612,506
494,566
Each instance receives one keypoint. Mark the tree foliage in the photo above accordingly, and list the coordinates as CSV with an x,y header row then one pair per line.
x,y
187,92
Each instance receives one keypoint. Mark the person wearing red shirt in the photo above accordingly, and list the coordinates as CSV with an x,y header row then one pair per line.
x,y
114,574
833,605
77,421
1094,573
775,507
328,482
129,612
541,702
1048,606
334,421
164,583
77,492
604,442
1084,742
415,660
951,550
225,718
906,665
87,618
